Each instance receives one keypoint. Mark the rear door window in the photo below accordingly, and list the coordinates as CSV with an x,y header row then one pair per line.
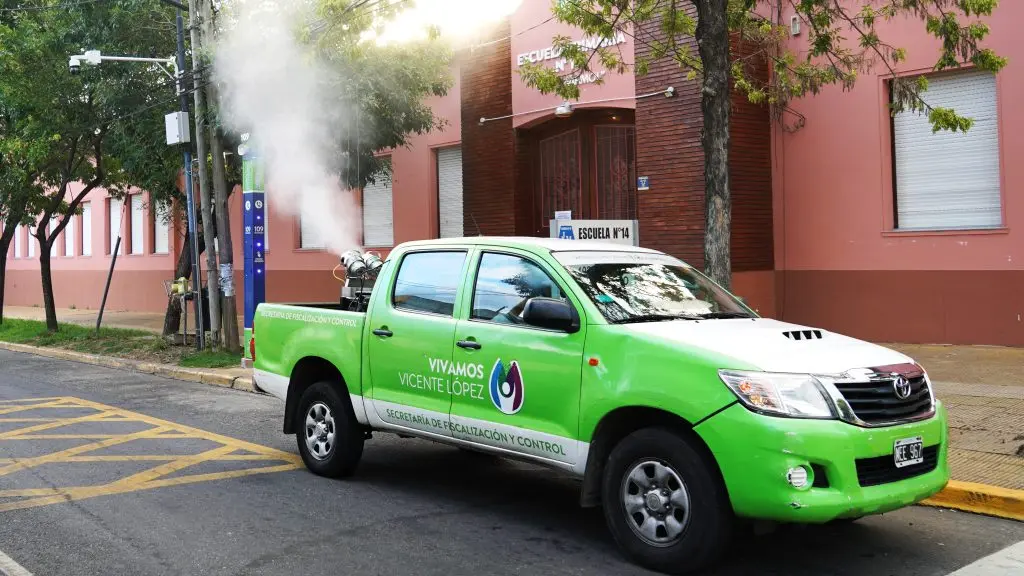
x,y
428,282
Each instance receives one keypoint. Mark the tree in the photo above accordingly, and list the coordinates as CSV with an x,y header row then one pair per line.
x,y
19,190
842,40
96,129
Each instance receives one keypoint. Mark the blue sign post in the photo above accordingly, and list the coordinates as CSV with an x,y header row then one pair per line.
x,y
254,228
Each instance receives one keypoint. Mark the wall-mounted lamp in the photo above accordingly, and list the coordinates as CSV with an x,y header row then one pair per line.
x,y
564,110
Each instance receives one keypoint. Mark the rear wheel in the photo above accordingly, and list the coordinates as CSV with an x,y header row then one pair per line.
x,y
664,507
329,438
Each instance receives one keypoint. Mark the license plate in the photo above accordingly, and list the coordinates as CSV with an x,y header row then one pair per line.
x,y
908,451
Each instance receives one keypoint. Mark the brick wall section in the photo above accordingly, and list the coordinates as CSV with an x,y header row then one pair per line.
x,y
750,176
669,151
488,150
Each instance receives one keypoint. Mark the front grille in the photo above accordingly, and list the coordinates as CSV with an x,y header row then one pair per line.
x,y
875,400
883,470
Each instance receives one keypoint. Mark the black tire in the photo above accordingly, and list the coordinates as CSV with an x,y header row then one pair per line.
x,y
707,527
341,457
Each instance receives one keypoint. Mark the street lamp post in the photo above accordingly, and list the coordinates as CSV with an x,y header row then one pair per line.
x,y
178,64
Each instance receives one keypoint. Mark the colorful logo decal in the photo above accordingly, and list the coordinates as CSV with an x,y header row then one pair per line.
x,y
507,387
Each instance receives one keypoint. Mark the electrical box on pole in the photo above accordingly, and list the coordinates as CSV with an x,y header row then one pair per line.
x,y
176,125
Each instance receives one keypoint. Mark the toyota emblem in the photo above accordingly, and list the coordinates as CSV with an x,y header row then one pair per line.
x,y
901,386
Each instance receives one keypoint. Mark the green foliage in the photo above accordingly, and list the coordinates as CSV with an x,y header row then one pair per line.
x,y
388,85
117,342
842,42
103,127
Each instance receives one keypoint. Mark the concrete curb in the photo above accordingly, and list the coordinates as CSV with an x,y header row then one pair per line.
x,y
166,370
980,499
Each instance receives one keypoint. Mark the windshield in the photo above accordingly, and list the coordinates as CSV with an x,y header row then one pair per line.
x,y
640,287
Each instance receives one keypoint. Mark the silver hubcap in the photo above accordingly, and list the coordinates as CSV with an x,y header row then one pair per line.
x,y
656,502
319,431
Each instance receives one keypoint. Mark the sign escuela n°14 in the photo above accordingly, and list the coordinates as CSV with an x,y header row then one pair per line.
x,y
615,231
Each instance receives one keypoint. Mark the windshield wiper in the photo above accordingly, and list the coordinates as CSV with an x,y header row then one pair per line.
x,y
654,318
723,315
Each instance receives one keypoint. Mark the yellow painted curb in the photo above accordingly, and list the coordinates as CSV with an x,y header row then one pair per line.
x,y
165,370
980,499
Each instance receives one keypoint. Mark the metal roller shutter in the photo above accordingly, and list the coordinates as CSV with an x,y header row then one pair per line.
x,y
948,180
308,236
378,213
449,192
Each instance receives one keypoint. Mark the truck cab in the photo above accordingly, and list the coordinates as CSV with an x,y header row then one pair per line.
x,y
677,406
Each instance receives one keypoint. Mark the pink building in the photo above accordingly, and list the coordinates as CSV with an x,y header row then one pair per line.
x,y
856,221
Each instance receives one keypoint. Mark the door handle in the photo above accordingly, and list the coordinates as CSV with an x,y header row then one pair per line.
x,y
469,345
383,333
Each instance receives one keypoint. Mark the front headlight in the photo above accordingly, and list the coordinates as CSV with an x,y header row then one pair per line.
x,y
795,395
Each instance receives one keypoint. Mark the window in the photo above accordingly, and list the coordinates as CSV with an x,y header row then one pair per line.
x,y
161,230
69,237
114,223
946,180
504,284
308,237
616,172
429,281
87,229
54,222
19,242
138,221
636,287
31,243
378,217
449,192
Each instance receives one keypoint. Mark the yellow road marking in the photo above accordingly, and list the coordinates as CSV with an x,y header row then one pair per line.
x,y
148,479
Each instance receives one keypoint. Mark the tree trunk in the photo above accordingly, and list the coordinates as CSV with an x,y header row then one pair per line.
x,y
3,279
47,277
205,193
6,236
172,318
713,44
225,246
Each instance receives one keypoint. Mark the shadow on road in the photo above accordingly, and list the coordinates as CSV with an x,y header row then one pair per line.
x,y
541,508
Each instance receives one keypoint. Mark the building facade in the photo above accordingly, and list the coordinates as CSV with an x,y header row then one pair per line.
x,y
849,219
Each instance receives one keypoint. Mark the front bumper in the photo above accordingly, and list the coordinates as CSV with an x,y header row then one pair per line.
x,y
754,452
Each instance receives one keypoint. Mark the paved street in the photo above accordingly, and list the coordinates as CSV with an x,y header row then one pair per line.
x,y
153,476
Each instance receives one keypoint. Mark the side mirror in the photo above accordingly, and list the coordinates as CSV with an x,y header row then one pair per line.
x,y
552,314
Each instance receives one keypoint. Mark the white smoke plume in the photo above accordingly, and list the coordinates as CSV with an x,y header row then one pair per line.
x,y
272,88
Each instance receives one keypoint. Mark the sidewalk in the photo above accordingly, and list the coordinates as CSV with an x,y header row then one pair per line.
x,y
147,321
982,388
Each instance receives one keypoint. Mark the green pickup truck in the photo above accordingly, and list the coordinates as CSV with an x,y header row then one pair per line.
x,y
679,408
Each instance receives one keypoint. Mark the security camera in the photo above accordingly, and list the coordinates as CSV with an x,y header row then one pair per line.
x,y
74,65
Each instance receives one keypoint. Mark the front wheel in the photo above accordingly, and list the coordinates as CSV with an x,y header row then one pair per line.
x,y
665,508
330,440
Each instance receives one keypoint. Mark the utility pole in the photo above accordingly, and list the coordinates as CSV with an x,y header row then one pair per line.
x,y
225,246
187,153
199,95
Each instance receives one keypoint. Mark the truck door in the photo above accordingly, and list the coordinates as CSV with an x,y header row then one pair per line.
x,y
412,329
529,398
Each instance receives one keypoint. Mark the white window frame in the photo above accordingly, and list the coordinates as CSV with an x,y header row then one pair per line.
x,y
380,234
161,230
944,180
137,211
450,197
19,242
69,237
86,248
114,225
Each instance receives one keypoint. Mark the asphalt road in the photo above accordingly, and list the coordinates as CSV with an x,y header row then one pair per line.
x,y
414,507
